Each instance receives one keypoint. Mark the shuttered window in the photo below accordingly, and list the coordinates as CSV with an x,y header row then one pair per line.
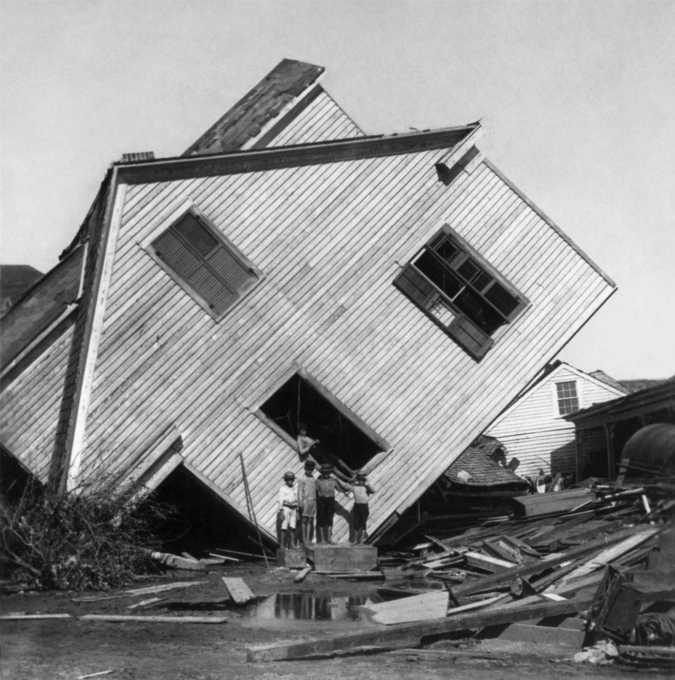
x,y
204,263
452,283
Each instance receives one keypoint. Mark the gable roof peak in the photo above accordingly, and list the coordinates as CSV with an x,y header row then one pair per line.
x,y
244,121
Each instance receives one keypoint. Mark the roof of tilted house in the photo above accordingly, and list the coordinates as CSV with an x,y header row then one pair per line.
x,y
478,460
244,121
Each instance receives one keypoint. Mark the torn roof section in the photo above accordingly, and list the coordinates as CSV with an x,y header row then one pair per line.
x,y
247,118
40,306
15,279
479,461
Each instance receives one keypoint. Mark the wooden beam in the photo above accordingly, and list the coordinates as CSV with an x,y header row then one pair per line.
x,y
115,618
403,635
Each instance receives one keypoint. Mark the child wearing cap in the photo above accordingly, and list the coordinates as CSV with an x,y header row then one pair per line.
x,y
362,490
326,486
288,502
307,502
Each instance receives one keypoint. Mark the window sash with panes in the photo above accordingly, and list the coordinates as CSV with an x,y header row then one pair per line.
x,y
462,291
568,397
208,267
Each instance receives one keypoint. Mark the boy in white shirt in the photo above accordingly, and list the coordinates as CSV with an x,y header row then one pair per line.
x,y
288,503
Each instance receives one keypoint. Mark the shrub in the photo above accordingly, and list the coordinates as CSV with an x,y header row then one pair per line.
x,y
77,541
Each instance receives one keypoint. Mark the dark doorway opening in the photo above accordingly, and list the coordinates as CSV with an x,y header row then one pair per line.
x,y
200,521
342,440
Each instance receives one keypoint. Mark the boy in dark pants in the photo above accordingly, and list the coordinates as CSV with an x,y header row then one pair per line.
x,y
325,503
362,490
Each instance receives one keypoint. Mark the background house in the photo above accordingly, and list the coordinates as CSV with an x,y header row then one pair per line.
x,y
534,428
637,429
393,292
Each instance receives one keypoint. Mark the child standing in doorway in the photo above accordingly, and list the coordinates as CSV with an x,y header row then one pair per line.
x,y
326,486
288,503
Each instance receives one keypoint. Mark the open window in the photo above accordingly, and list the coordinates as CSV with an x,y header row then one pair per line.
x,y
461,291
344,439
204,263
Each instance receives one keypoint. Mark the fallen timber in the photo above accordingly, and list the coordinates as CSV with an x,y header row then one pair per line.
x,y
412,633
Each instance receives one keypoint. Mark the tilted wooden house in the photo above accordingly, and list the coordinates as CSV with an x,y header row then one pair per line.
x,y
534,428
393,292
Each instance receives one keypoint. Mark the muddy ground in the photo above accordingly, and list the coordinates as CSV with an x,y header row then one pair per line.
x,y
68,649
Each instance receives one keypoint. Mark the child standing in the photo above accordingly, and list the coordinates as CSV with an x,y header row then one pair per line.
x,y
288,502
307,502
362,490
326,486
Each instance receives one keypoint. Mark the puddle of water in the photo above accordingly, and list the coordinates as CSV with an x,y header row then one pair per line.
x,y
314,606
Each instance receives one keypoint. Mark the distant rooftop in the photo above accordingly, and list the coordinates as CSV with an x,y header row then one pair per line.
x,y
14,280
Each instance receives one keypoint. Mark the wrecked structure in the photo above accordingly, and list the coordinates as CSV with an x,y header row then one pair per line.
x,y
393,292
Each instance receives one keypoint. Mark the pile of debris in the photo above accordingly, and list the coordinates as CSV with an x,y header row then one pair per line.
x,y
603,553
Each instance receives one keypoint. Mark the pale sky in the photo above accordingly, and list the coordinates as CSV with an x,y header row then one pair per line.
x,y
577,99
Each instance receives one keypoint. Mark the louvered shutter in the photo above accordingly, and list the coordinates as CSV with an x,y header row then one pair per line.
x,y
209,267
469,336
417,287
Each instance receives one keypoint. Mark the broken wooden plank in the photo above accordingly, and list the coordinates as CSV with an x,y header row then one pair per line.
x,y
433,605
403,634
224,558
165,586
115,618
33,617
354,575
487,562
300,577
146,603
239,591
610,554
549,503
177,562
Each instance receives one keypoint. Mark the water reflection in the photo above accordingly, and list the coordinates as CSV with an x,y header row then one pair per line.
x,y
314,606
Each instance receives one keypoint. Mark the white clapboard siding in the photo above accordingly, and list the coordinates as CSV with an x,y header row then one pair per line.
x,y
322,120
326,238
30,407
532,430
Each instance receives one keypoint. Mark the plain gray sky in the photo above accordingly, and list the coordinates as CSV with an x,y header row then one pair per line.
x,y
577,98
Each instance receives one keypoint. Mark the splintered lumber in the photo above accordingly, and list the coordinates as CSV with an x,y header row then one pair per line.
x,y
224,558
613,553
177,562
33,617
115,618
404,634
239,591
538,566
427,606
300,577
487,562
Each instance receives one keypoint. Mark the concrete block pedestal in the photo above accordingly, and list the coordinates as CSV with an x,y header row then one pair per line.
x,y
342,557
293,559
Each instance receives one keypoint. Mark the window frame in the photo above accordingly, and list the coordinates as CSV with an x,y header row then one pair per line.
x,y
556,399
221,239
296,369
462,329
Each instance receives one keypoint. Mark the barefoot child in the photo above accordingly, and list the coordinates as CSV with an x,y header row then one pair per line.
x,y
362,490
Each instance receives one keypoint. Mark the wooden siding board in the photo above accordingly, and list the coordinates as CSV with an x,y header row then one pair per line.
x,y
30,407
218,426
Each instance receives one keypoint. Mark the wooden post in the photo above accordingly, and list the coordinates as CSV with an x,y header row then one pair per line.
x,y
579,451
611,463
251,511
